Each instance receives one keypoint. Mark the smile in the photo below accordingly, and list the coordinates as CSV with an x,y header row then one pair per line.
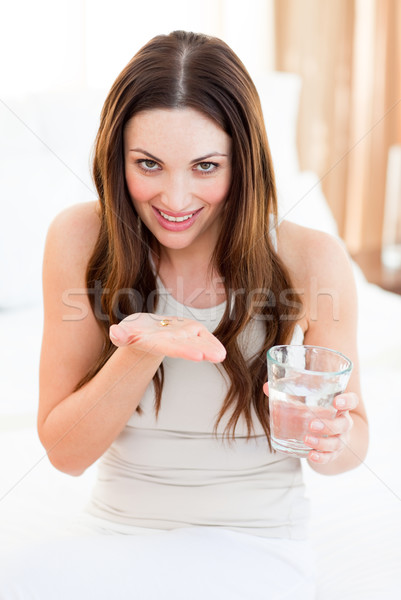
x,y
175,219
176,222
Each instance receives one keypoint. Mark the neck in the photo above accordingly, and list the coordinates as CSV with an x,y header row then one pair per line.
x,y
186,262
190,279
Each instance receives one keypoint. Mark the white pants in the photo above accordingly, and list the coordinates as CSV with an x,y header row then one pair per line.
x,y
194,563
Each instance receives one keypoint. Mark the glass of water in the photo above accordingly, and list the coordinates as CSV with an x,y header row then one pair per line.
x,y
303,381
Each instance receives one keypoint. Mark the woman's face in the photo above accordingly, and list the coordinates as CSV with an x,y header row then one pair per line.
x,y
178,172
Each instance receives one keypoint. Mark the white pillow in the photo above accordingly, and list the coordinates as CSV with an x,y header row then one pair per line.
x,y
301,200
300,196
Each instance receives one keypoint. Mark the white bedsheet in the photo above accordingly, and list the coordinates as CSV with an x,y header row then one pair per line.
x,y
356,517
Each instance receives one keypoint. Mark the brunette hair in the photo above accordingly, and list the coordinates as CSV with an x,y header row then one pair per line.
x,y
201,72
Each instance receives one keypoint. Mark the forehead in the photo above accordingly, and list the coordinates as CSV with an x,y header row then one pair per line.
x,y
177,128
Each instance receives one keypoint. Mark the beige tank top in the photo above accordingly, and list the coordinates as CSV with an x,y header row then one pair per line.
x,y
173,472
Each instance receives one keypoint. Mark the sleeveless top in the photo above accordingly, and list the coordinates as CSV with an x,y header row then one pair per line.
x,y
174,472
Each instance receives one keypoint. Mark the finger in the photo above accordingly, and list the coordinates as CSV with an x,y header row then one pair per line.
x,y
326,427
118,335
214,347
347,401
322,458
328,444
207,335
185,351
215,355
121,335
180,345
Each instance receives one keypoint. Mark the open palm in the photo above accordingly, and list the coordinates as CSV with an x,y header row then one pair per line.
x,y
168,336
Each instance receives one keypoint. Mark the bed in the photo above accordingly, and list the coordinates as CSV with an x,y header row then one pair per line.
x,y
356,516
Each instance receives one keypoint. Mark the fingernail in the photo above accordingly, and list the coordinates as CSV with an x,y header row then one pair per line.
x,y
314,456
317,426
311,440
340,403
116,333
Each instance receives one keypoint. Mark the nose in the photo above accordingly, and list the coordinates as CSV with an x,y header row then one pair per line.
x,y
176,195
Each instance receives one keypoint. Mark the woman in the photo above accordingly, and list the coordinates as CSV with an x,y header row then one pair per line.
x,y
157,368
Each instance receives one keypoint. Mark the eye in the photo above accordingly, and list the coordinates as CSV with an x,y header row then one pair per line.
x,y
147,164
206,167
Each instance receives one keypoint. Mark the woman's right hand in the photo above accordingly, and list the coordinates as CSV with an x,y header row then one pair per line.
x,y
168,336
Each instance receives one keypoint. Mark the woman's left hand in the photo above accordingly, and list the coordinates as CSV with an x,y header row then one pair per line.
x,y
328,437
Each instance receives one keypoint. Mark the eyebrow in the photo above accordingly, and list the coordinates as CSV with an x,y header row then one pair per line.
x,y
200,159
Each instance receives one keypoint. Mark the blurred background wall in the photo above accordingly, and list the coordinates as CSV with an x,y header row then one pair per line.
x,y
70,44
348,53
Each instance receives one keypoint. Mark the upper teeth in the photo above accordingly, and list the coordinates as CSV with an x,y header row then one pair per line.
x,y
175,219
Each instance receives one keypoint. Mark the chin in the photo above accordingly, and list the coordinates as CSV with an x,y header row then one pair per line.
x,y
174,244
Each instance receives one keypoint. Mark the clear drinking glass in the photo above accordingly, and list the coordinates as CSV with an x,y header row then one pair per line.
x,y
303,381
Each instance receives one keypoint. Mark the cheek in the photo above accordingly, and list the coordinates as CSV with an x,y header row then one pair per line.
x,y
216,192
140,189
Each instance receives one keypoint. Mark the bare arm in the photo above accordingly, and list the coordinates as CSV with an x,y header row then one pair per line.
x,y
76,428
322,270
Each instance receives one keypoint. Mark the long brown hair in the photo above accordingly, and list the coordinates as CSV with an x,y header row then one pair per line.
x,y
201,72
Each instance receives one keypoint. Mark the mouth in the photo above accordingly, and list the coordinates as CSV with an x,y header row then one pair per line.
x,y
176,219
177,222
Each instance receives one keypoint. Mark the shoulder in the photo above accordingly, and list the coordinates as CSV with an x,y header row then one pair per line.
x,y
321,272
81,221
70,242
73,232
310,253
